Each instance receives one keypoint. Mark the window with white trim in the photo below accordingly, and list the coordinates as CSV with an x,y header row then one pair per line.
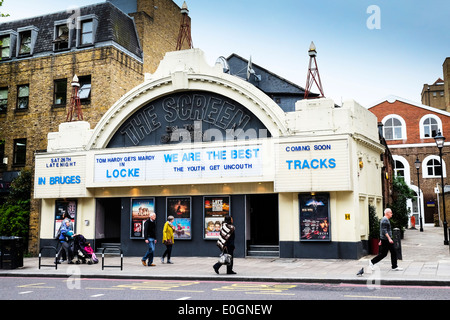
x,y
394,128
399,169
429,126
431,167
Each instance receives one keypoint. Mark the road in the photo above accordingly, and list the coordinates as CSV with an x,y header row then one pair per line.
x,y
74,288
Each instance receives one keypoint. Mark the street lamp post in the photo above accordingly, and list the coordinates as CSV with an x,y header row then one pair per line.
x,y
440,144
417,164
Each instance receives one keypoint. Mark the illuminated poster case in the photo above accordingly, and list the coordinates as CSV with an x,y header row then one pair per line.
x,y
180,209
314,217
214,211
141,208
63,207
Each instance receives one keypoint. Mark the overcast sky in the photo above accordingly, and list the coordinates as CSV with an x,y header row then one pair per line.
x,y
367,49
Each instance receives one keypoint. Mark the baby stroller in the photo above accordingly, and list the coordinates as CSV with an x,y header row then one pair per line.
x,y
79,242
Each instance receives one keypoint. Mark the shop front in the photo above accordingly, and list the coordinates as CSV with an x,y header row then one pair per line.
x,y
199,144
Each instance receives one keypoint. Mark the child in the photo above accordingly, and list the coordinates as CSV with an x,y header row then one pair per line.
x,y
90,252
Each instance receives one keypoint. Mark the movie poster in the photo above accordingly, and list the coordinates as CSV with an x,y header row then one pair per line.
x,y
180,209
215,210
314,217
140,211
61,208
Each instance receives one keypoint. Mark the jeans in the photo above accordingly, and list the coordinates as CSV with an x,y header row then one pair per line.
x,y
150,252
65,246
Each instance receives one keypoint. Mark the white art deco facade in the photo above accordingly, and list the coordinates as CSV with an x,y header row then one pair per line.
x,y
198,143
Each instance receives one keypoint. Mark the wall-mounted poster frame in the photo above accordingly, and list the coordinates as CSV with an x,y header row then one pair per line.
x,y
314,217
180,209
140,211
215,208
61,207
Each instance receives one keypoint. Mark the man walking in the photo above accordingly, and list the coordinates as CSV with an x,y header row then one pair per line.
x,y
387,244
150,239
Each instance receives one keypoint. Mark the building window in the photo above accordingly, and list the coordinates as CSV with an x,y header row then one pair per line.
x,y
61,41
5,47
26,40
399,169
434,168
60,92
87,32
431,167
25,43
23,94
20,152
85,89
393,129
430,127
3,99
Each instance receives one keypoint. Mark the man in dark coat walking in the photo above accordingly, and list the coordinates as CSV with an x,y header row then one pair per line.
x,y
150,239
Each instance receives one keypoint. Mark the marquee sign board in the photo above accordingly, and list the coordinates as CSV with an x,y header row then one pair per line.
x,y
193,116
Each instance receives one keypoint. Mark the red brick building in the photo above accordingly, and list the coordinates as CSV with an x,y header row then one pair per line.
x,y
409,129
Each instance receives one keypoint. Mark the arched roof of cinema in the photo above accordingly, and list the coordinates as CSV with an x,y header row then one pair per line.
x,y
187,70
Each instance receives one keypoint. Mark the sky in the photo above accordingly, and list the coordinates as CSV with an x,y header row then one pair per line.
x,y
366,49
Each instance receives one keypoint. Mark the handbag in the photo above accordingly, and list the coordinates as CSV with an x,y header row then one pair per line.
x,y
225,258
168,242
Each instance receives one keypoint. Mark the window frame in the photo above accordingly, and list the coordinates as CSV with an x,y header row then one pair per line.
x,y
5,109
12,42
80,22
20,155
33,31
422,125
63,103
85,84
406,168
425,167
402,127
19,98
56,36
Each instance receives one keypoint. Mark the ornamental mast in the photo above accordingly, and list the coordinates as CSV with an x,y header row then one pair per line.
x,y
313,73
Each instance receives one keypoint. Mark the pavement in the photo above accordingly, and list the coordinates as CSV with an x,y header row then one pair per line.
x,y
425,261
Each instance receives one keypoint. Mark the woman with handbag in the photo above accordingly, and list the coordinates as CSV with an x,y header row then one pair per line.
x,y
226,245
168,239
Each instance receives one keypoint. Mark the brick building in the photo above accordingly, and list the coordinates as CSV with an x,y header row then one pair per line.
x,y
409,129
437,95
108,49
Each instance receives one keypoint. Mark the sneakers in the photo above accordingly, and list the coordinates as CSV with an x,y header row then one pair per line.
x,y
371,266
397,269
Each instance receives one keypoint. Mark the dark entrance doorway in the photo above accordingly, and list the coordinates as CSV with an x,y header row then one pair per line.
x,y
263,215
107,221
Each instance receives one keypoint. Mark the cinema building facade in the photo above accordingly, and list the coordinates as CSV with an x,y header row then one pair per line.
x,y
197,143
